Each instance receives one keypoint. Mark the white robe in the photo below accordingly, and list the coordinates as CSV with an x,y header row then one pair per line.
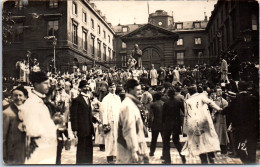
x,y
38,122
198,125
153,76
130,132
109,111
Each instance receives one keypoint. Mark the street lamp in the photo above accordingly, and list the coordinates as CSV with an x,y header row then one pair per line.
x,y
54,43
28,55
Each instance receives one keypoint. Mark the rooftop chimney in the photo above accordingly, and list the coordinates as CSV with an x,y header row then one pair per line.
x,y
206,17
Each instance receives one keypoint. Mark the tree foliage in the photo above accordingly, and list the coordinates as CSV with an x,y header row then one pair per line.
x,y
7,27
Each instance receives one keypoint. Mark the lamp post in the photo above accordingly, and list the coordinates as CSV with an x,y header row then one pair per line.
x,y
54,43
28,57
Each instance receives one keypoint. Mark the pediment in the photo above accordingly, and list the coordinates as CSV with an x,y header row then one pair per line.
x,y
150,31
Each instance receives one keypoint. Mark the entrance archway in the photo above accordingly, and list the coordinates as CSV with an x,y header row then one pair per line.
x,y
151,55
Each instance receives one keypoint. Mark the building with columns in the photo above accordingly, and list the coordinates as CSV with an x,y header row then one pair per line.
x,y
84,36
164,42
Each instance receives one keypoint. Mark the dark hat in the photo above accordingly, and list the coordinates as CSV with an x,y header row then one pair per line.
x,y
111,84
242,85
82,83
38,77
22,89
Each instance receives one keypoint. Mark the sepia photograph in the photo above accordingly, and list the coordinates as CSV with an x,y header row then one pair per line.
x,y
140,82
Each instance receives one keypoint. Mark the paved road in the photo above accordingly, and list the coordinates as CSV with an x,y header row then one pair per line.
x,y
69,157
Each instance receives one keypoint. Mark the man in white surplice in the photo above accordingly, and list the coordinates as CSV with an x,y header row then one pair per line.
x,y
40,128
109,111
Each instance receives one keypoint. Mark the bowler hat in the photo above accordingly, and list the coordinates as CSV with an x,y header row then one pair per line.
x,y
82,83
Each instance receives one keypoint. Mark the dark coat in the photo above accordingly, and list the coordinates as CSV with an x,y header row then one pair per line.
x,y
13,139
171,115
243,113
155,116
81,117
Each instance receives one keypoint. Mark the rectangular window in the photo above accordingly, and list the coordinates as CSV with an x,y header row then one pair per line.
x,y
92,23
180,42
109,38
197,41
109,54
75,34
104,32
180,58
74,8
123,60
93,47
85,42
123,45
124,29
179,26
104,53
84,17
98,29
99,49
18,33
197,25
53,3
52,28
254,22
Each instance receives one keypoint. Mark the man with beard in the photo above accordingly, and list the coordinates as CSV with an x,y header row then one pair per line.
x,y
81,124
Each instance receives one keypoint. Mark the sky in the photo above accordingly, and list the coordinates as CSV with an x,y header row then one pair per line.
x,y
128,12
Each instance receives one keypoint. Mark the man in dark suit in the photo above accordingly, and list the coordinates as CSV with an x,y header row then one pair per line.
x,y
243,113
155,121
172,125
81,124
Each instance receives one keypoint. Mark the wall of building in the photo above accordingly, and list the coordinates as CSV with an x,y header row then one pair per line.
x,y
33,21
91,32
34,17
190,49
229,21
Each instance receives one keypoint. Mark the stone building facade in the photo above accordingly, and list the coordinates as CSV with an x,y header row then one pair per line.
x,y
163,41
234,25
84,37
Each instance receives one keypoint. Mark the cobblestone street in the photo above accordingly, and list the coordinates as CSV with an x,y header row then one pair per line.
x,y
69,157
99,157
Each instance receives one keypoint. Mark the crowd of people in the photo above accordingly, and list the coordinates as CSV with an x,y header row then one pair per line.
x,y
215,108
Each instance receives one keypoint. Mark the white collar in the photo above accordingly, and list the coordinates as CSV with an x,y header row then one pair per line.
x,y
40,95
84,94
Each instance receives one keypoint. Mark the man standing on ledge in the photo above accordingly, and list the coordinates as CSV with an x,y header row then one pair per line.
x,y
137,55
